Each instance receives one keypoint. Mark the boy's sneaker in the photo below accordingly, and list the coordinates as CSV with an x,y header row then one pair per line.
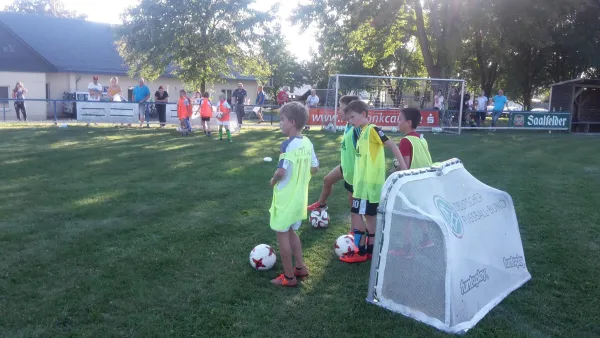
x,y
300,273
317,206
404,253
426,243
282,281
352,258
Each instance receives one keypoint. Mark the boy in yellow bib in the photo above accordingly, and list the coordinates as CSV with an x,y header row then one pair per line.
x,y
297,163
368,180
415,151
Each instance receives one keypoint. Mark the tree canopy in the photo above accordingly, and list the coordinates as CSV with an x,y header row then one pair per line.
x,y
200,41
43,7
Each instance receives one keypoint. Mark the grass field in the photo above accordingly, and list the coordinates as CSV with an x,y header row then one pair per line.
x,y
111,232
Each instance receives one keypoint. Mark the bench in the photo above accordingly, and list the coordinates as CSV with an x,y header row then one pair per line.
x,y
585,125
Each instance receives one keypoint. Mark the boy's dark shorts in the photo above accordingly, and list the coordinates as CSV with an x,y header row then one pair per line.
x,y
364,207
347,185
206,119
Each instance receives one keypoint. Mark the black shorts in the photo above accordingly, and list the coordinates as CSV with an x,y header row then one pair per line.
x,y
206,119
364,207
347,185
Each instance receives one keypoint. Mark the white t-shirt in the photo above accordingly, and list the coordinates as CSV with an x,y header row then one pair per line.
x,y
97,87
482,103
439,102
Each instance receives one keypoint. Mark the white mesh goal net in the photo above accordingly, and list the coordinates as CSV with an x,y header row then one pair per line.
x,y
448,247
439,101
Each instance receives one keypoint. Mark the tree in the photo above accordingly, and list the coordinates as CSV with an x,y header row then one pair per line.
x,y
283,68
200,41
43,7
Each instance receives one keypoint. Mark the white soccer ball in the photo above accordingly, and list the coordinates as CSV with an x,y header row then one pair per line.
x,y
262,257
437,130
319,219
219,114
330,127
344,245
394,130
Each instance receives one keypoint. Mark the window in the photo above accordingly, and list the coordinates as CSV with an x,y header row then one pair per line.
x,y
4,94
269,83
227,93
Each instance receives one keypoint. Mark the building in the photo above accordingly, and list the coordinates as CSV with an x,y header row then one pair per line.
x,y
51,56
581,98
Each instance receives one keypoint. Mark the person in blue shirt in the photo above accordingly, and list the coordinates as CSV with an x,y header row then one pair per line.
x,y
141,94
500,102
260,101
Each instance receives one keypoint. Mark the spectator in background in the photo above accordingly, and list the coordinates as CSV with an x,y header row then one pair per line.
x,y
239,99
454,100
161,97
500,102
141,94
19,95
95,89
260,101
114,90
313,100
438,100
283,97
481,108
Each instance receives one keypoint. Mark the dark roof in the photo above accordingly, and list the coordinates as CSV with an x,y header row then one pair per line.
x,y
579,82
72,45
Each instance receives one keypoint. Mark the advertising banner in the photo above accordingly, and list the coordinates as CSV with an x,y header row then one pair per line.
x,y
380,117
540,120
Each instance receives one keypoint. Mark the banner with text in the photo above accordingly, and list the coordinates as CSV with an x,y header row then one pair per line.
x,y
380,117
540,120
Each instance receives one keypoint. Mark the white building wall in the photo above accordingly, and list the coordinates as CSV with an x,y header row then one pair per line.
x,y
35,83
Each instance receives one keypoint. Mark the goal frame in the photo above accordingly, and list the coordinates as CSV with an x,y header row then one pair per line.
x,y
452,129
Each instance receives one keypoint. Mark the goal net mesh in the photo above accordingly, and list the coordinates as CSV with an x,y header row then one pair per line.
x,y
387,95
447,247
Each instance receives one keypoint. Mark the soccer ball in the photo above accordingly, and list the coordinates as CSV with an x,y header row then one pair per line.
x,y
436,130
330,127
219,114
262,257
344,245
319,219
394,130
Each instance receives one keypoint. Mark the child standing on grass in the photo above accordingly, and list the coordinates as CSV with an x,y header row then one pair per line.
x,y
368,180
297,163
225,109
415,152
205,113
345,170
184,108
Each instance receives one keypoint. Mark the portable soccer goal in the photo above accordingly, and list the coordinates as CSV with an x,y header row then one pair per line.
x,y
448,247
386,95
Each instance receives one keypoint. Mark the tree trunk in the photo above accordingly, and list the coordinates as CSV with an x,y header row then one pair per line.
x,y
203,86
432,68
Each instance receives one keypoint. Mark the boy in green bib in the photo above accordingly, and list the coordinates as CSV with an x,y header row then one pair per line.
x,y
368,180
297,163
345,170
415,151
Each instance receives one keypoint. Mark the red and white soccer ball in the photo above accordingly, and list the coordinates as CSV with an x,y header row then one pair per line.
x,y
262,257
344,245
319,219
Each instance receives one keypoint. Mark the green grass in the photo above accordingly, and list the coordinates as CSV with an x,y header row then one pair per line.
x,y
111,232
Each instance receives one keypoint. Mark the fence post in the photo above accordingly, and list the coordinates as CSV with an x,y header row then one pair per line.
x,y
55,119
4,111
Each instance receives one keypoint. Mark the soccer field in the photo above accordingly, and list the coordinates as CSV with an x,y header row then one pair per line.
x,y
117,232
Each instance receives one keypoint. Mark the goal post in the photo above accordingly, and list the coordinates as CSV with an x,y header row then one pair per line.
x,y
386,95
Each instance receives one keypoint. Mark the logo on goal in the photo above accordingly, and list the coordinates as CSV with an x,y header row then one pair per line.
x,y
450,215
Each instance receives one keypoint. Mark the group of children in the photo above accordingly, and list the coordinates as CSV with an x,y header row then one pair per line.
x,y
185,112
362,167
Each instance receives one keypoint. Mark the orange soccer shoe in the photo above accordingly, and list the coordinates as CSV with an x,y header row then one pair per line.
x,y
352,258
283,281
317,206
301,272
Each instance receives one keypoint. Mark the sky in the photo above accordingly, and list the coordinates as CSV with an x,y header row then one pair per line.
x,y
108,11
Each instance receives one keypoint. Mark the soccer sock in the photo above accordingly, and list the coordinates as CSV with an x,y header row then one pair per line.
x,y
220,133
288,278
370,243
357,236
228,134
